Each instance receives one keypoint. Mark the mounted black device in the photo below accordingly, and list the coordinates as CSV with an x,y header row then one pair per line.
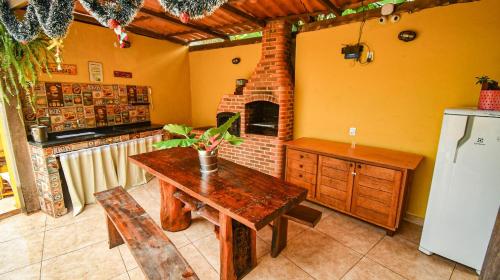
x,y
352,51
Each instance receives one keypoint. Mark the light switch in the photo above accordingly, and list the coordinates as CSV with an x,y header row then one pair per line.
x,y
352,131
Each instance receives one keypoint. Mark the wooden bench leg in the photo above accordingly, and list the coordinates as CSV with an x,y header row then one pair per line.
x,y
238,253
114,237
280,232
172,215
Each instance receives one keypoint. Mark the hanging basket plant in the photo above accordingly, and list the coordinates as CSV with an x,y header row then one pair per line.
x,y
20,64
191,9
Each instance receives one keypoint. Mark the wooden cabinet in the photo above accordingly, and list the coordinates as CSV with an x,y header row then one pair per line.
x,y
365,182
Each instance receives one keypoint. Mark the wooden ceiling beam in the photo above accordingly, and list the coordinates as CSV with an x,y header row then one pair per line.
x,y
81,17
336,10
227,7
408,7
198,28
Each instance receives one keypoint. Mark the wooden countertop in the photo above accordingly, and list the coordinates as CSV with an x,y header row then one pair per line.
x,y
385,157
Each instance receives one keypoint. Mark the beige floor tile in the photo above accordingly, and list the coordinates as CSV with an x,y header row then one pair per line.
x,y
464,273
123,276
136,274
403,257
90,211
127,257
409,231
324,210
320,255
279,268
7,204
198,229
353,233
178,238
93,262
30,272
21,225
210,248
198,263
141,195
368,269
294,229
74,236
20,252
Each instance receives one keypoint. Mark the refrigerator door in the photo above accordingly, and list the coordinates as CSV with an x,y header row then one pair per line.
x,y
465,193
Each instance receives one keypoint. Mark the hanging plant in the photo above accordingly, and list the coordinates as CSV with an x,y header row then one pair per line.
x,y
20,64
122,11
191,9
24,30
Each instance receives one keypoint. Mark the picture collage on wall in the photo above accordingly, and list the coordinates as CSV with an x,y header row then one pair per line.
x,y
70,106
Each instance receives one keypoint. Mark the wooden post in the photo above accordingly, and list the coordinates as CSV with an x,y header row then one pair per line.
x,y
172,215
114,237
280,232
238,253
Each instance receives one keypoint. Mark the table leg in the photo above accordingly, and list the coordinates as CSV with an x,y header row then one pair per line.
x,y
114,237
280,232
238,253
172,215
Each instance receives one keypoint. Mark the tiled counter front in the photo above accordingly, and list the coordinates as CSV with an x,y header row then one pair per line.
x,y
46,169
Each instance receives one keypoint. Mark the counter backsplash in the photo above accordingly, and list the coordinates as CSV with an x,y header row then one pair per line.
x,y
70,106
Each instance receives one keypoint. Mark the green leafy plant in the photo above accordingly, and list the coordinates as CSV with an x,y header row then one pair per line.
x,y
209,141
487,83
20,64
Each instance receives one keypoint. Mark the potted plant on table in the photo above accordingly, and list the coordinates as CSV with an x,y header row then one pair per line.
x,y
489,98
207,144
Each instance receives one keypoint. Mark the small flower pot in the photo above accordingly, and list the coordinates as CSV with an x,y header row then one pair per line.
x,y
208,161
489,100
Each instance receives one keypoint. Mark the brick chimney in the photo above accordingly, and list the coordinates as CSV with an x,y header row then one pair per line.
x,y
271,84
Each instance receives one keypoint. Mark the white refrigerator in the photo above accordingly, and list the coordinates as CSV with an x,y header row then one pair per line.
x,y
465,192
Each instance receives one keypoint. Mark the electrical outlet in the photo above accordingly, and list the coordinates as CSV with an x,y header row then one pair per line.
x,y
352,131
369,57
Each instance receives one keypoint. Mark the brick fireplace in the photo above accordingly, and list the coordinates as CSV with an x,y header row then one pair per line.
x,y
266,106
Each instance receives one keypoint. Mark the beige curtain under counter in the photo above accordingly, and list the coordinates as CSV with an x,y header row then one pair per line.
x,y
101,168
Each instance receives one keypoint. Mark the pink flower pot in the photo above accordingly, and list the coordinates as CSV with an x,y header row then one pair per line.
x,y
489,100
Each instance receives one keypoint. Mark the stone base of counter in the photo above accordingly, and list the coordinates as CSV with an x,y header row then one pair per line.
x,y
46,169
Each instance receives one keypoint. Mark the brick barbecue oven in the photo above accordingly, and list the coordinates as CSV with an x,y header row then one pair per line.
x,y
266,106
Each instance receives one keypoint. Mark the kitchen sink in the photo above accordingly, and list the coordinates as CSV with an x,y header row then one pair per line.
x,y
89,133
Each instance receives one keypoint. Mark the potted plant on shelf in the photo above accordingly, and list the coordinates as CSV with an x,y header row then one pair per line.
x,y
207,144
489,98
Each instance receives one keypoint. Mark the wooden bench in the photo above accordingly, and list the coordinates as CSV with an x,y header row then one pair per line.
x,y
128,223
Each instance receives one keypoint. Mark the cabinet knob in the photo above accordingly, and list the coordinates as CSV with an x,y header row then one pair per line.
x,y
359,165
351,165
300,176
354,174
301,166
301,156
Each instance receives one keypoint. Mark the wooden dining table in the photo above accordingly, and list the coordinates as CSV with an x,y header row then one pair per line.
x,y
243,200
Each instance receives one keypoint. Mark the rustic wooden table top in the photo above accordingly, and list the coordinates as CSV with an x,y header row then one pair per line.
x,y
246,195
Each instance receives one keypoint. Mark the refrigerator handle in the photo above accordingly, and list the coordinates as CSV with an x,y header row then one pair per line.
x,y
467,133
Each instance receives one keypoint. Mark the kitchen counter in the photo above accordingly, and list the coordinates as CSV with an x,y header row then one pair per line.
x,y
99,133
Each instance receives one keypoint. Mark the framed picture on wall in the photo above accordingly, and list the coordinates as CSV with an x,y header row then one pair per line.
x,y
95,72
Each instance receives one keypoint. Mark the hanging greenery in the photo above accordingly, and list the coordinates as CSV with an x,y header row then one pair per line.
x,y
23,31
20,64
191,9
54,16
122,11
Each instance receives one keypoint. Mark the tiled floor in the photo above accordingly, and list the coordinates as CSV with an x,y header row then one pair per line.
x,y
340,247
7,204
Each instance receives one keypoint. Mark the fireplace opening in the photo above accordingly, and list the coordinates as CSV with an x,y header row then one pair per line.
x,y
262,118
224,117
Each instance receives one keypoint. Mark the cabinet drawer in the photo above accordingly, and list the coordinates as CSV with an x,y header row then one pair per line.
x,y
301,175
302,156
302,166
377,172
336,163
300,183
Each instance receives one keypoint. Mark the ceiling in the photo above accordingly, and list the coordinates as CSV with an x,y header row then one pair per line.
x,y
235,17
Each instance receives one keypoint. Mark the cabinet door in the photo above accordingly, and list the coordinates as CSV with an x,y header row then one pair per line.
x,y
376,194
301,170
335,180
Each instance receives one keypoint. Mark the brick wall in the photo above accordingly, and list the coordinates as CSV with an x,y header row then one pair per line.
x,y
271,81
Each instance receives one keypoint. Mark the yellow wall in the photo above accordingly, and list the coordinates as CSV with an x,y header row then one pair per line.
x,y
213,75
160,64
397,102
